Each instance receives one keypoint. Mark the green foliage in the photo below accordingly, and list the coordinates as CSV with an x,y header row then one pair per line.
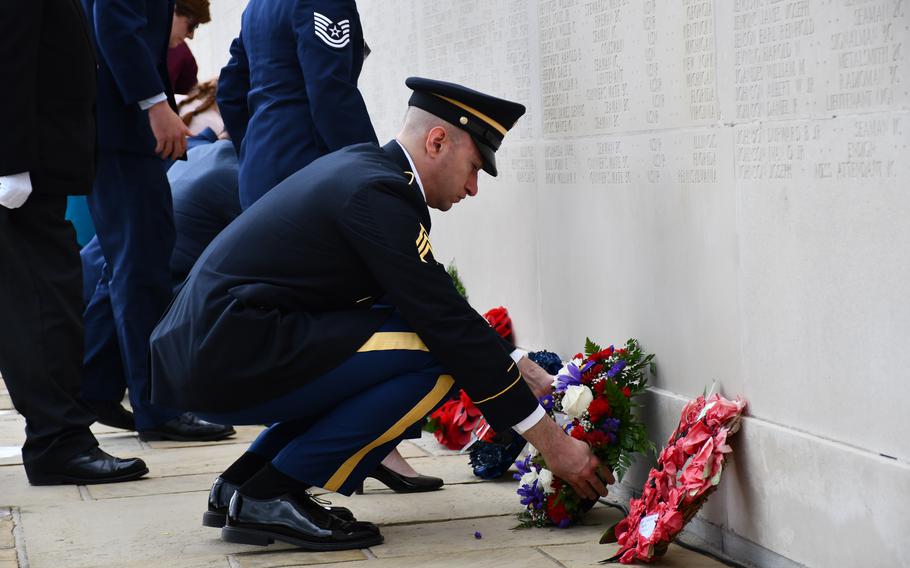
x,y
453,274
590,347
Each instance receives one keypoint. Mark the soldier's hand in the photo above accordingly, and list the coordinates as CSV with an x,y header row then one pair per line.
x,y
573,461
170,132
570,459
539,381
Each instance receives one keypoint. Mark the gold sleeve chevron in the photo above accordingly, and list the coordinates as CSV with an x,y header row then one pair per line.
x,y
505,390
423,244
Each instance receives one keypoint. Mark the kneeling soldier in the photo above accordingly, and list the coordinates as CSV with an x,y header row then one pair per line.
x,y
321,310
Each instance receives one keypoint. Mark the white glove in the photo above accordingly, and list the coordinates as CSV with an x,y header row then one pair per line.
x,y
15,189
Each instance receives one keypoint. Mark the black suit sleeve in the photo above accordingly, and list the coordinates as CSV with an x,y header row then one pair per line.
x,y
20,34
387,234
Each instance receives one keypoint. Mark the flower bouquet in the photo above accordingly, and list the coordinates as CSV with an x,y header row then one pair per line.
x,y
688,470
595,393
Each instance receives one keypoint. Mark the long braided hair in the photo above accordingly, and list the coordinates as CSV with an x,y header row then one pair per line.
x,y
204,93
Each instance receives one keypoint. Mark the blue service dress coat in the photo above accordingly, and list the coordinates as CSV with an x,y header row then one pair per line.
x,y
287,292
131,37
289,93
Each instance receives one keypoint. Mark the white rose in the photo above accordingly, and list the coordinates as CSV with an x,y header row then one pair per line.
x,y
576,400
545,480
528,478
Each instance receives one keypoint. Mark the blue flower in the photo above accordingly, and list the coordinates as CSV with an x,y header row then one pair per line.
x,y
550,361
616,368
524,466
547,402
611,425
532,496
565,381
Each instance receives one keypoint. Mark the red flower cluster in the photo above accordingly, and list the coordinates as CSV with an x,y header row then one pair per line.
x,y
688,470
556,510
455,420
499,320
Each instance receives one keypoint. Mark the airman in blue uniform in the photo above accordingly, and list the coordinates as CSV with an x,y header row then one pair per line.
x,y
131,200
289,93
322,310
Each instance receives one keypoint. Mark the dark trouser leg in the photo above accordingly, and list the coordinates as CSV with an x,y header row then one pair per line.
x,y
335,429
132,210
102,373
41,330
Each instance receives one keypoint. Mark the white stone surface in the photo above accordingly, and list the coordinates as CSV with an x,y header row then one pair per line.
x,y
727,182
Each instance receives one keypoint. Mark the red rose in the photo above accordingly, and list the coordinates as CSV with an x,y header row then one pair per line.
x,y
499,320
578,356
627,391
598,409
600,387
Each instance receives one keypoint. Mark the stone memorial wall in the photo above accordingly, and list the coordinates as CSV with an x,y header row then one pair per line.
x,y
728,182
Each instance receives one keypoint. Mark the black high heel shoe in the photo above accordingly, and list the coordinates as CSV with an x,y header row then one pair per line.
x,y
402,483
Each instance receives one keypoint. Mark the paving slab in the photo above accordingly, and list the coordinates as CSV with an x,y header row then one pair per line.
x,y
151,530
273,559
409,449
496,558
6,532
591,553
200,483
16,491
244,435
8,558
496,532
186,460
122,445
451,502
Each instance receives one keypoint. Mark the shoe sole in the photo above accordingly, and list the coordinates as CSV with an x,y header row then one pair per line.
x,y
70,480
256,537
214,520
158,437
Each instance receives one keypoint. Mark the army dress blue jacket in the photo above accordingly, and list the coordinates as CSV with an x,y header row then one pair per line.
x,y
286,293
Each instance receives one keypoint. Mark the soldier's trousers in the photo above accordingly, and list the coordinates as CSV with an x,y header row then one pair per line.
x,y
335,430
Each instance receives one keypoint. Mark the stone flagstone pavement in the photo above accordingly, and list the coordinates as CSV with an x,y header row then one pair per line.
x,y
157,521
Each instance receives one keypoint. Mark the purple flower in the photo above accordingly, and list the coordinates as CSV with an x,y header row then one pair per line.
x,y
565,381
616,368
546,402
587,366
532,496
524,466
611,425
564,524
477,534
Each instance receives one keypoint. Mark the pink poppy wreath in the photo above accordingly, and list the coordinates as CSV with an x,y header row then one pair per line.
x,y
688,470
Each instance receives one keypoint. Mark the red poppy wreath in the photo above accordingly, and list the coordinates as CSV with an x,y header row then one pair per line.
x,y
688,470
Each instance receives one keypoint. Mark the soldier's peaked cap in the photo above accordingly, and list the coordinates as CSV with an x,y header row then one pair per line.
x,y
485,118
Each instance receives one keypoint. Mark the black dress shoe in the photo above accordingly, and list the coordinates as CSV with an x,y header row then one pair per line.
x,y
402,483
90,467
111,413
187,428
220,497
297,520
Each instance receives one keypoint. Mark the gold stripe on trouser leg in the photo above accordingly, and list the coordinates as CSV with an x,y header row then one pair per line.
x,y
432,398
390,340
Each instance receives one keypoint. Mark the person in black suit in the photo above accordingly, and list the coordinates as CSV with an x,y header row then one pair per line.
x,y
47,151
321,310
131,204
